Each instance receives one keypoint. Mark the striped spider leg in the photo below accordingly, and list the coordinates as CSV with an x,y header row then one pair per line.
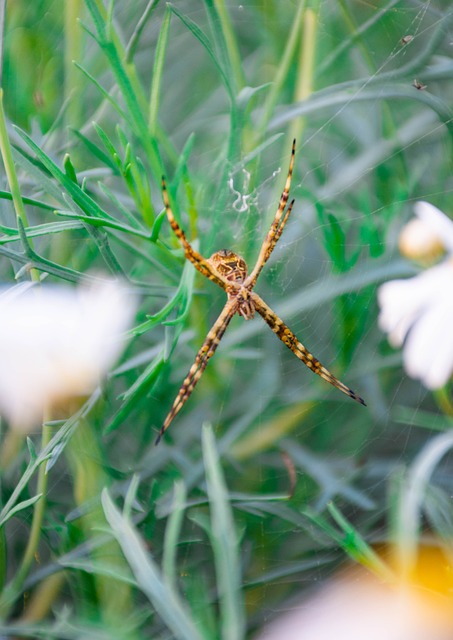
x,y
276,228
289,339
202,358
229,271
202,265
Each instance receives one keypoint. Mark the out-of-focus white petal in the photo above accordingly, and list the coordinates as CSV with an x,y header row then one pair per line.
x,y
420,311
56,343
428,353
437,221
399,308
402,301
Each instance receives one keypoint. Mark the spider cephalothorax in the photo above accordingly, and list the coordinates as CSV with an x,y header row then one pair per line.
x,y
229,271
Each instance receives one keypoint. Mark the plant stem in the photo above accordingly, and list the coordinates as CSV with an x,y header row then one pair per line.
x,y
282,72
89,479
269,433
72,51
443,400
5,149
43,597
230,44
14,588
304,83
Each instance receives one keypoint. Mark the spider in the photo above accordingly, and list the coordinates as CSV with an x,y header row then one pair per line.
x,y
229,271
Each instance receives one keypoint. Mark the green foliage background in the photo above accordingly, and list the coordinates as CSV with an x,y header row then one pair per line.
x,y
216,533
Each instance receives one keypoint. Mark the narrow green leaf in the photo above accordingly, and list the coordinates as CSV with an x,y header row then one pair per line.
x,y
204,41
423,419
129,87
31,449
224,542
172,533
182,297
226,41
165,600
101,240
61,435
108,144
105,222
21,506
34,260
135,37
131,495
142,385
159,59
84,201
6,195
123,209
96,151
40,230
69,168
39,175
110,99
339,95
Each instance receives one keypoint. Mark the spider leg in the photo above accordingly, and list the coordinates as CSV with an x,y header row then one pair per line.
x,y
289,339
195,258
276,228
206,352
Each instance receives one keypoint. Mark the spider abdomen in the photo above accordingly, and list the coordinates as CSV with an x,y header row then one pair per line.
x,y
229,265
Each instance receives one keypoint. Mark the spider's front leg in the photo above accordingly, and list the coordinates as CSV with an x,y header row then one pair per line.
x,y
195,258
289,339
276,228
202,358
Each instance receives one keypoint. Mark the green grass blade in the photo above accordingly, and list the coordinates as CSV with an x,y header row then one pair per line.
x,y
224,542
104,222
127,84
6,195
172,533
135,37
282,69
343,97
107,96
226,43
83,200
39,230
136,392
204,41
61,437
159,60
96,151
163,597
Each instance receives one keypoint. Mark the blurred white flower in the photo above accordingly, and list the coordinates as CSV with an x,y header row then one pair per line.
x,y
427,236
358,607
56,343
419,311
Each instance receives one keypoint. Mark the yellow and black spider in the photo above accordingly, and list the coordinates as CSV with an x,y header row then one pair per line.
x,y
229,271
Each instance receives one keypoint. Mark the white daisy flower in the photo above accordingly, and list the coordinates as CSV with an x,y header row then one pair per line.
x,y
56,343
418,312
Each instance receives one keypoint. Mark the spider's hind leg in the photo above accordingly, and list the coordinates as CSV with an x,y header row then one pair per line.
x,y
290,340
